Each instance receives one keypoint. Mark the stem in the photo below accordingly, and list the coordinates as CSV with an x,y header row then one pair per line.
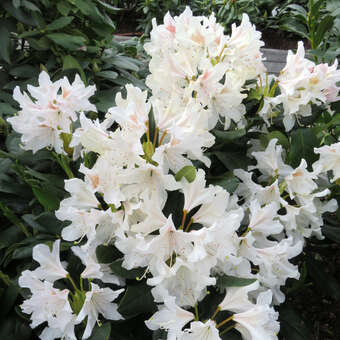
x,y
189,225
162,137
72,282
196,312
183,219
14,219
225,321
64,164
81,284
227,329
216,312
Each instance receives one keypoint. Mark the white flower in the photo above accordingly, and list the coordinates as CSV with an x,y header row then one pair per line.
x,y
329,160
259,322
50,268
237,300
98,301
48,304
201,331
170,317
52,112
300,181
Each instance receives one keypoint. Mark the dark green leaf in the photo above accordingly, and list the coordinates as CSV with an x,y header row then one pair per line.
x,y
228,183
109,8
101,332
10,236
125,63
47,197
7,109
5,42
59,23
30,6
324,26
189,172
64,7
293,25
16,3
333,233
282,139
8,299
107,75
229,135
232,160
292,326
70,62
107,254
233,281
70,42
117,269
42,44
137,300
303,142
326,283
24,71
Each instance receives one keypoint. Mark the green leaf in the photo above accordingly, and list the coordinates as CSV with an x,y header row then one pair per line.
x,y
7,109
5,42
70,63
315,10
10,236
110,75
101,332
229,183
70,42
109,8
332,233
326,283
125,63
229,135
293,25
232,160
117,269
232,281
59,23
189,172
24,71
107,254
324,27
42,44
292,326
303,142
64,8
16,3
8,299
31,6
47,197
137,300
282,139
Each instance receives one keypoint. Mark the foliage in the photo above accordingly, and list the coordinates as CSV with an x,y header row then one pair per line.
x,y
64,38
32,185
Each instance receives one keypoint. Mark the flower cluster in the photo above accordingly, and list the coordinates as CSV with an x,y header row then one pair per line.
x,y
144,196
302,83
47,120
55,306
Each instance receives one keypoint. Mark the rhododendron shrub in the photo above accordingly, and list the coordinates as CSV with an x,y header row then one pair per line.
x,y
192,190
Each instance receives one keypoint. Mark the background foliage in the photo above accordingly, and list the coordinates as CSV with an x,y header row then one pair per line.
x,y
66,37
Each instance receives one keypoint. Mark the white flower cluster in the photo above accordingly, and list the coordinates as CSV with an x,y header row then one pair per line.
x,y
44,121
52,305
197,76
302,83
